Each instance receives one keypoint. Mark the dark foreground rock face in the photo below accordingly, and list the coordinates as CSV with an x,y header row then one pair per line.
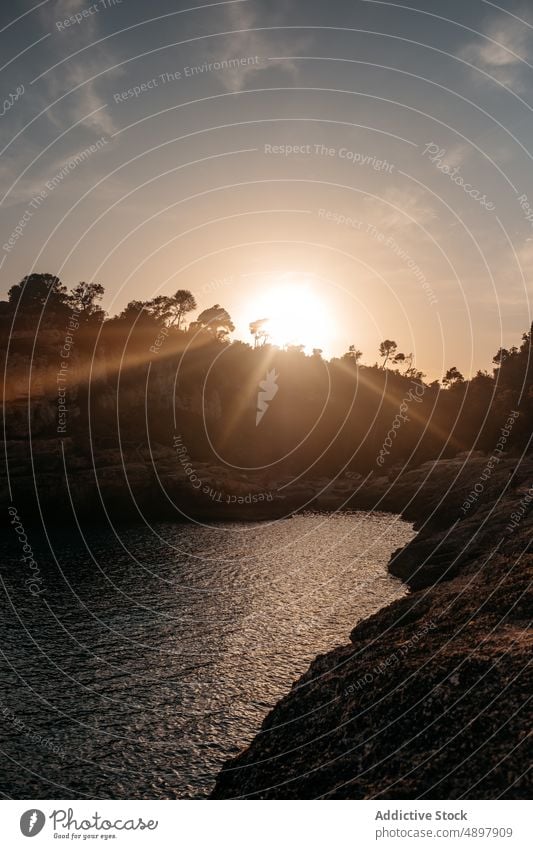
x,y
430,699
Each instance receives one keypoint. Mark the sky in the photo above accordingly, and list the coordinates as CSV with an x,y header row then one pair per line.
x,y
353,171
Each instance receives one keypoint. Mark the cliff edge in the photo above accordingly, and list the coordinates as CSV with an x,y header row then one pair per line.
x,y
431,698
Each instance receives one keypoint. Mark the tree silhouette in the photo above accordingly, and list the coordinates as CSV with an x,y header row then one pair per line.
x,y
216,320
159,307
36,290
258,331
353,355
184,302
503,354
387,349
172,309
407,360
136,313
84,299
453,377
470,415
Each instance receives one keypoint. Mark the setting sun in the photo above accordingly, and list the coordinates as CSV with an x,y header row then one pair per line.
x,y
294,314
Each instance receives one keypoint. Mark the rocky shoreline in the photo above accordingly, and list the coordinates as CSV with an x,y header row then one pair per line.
x,y
431,697
154,481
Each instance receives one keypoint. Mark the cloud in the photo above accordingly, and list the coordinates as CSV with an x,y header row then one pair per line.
x,y
82,102
76,71
240,19
500,51
457,154
400,209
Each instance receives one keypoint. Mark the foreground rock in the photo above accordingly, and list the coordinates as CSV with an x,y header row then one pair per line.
x,y
430,699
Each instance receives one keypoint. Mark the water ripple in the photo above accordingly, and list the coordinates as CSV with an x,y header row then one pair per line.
x,y
138,672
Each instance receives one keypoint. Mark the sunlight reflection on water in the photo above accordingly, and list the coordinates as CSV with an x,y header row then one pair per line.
x,y
151,668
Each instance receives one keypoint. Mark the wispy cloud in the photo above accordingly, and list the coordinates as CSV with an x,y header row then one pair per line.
x,y
242,19
500,53
75,72
400,209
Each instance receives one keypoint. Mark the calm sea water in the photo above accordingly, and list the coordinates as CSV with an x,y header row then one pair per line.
x,y
153,654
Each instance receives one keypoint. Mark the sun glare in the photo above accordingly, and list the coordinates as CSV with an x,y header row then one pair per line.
x,y
295,315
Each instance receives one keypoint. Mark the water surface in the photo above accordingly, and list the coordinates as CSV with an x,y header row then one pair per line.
x,y
153,655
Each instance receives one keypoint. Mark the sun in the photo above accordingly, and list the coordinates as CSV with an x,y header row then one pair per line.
x,y
295,314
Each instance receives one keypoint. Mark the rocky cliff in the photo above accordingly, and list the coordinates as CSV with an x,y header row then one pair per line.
x,y
431,697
